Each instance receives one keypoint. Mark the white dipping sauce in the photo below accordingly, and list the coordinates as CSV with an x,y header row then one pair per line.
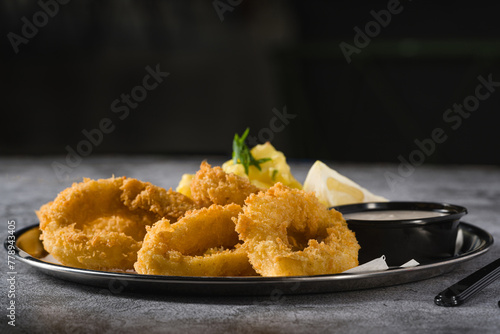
x,y
393,215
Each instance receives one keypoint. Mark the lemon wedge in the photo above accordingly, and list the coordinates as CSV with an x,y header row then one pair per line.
x,y
333,189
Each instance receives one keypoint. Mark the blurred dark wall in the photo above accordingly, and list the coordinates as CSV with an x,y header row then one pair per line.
x,y
273,66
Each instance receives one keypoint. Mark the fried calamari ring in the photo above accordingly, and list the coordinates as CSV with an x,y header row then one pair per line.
x,y
214,186
166,204
90,226
288,232
202,243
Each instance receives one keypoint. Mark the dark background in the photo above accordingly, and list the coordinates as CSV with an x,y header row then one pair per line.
x,y
228,75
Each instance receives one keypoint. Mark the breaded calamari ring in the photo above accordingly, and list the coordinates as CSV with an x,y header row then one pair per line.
x,y
89,226
288,232
167,204
202,243
214,186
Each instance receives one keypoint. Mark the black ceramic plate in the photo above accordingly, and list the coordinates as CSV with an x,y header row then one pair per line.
x,y
475,242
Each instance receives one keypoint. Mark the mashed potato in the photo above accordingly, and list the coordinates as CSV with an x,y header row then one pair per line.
x,y
275,170
272,171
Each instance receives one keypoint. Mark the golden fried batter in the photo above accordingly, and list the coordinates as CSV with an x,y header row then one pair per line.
x,y
100,224
288,232
214,186
202,243
167,204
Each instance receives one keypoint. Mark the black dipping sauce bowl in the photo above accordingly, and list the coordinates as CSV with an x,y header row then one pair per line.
x,y
424,239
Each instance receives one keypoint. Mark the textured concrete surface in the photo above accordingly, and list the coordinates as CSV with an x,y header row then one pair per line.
x,y
48,305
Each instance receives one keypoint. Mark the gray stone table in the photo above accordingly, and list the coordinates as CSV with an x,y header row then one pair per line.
x,y
48,305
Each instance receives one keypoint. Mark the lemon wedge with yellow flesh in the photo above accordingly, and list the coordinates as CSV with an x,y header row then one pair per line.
x,y
333,189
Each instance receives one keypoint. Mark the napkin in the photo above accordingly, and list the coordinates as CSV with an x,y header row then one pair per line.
x,y
378,264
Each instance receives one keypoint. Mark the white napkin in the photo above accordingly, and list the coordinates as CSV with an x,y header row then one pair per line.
x,y
374,265
411,263
378,264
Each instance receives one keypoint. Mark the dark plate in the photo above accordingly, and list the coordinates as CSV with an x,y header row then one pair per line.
x,y
475,242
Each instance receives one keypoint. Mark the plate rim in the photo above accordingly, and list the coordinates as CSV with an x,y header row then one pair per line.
x,y
52,268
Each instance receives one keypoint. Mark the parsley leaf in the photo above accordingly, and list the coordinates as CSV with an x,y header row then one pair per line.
x,y
242,154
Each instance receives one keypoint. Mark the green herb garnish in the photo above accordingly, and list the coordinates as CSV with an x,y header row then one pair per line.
x,y
242,155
